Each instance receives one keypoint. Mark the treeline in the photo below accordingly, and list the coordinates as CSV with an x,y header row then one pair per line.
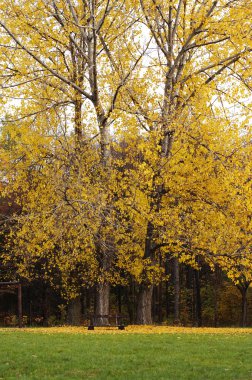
x,y
126,153
203,298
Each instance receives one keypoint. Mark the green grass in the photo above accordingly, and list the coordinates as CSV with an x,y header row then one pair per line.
x,y
29,356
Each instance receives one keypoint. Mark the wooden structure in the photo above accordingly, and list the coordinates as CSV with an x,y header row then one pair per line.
x,y
16,284
113,321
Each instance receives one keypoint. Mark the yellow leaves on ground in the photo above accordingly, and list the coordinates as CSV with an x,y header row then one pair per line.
x,y
132,329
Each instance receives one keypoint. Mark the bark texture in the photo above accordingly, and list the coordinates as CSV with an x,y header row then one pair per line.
x,y
144,305
197,298
176,291
74,312
243,288
102,304
244,308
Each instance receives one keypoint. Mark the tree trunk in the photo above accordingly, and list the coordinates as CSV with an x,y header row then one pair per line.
x,y
45,305
119,299
160,302
216,294
167,272
102,304
78,119
176,291
198,311
74,312
243,288
244,305
144,305
244,308
130,302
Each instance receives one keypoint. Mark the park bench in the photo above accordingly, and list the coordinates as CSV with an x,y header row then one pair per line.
x,y
113,321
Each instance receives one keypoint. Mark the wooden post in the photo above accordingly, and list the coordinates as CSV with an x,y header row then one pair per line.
x,y
20,306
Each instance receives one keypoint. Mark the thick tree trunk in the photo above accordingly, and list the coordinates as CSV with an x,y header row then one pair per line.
x,y
102,304
145,292
144,305
74,312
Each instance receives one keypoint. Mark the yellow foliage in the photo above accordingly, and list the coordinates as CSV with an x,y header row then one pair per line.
x,y
127,143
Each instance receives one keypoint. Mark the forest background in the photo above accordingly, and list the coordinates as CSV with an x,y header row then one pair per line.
x,y
126,159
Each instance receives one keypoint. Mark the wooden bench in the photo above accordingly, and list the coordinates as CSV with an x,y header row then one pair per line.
x,y
113,321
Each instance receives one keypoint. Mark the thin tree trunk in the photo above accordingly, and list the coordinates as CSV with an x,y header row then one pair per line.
x,y
198,311
144,306
160,302
176,291
167,290
130,302
244,308
119,299
154,303
45,305
243,288
78,120
216,295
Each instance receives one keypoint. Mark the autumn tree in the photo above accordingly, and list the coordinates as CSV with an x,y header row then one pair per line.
x,y
201,49
71,49
156,96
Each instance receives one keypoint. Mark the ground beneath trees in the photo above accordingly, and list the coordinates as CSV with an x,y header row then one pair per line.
x,y
133,329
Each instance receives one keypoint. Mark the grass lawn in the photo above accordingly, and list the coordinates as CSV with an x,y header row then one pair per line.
x,y
154,353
